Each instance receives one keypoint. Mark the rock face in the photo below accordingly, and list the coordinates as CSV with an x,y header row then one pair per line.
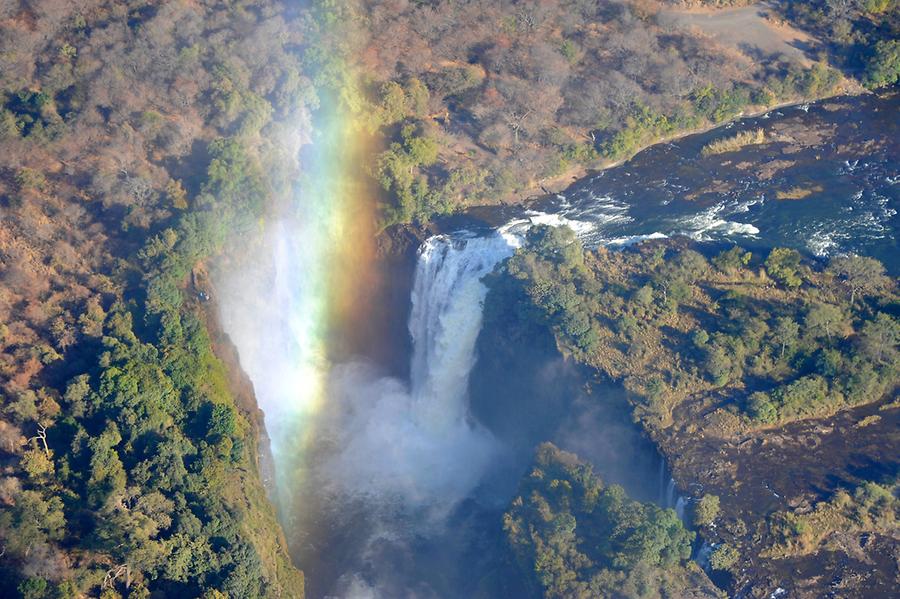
x,y
242,390
259,483
788,470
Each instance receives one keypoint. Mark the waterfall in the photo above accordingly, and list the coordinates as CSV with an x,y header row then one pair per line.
x,y
679,507
412,445
662,482
272,305
674,500
445,320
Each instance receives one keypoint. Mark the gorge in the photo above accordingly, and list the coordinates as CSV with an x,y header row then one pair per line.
x,y
403,478
283,314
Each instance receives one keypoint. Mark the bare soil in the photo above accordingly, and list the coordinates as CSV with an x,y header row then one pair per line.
x,y
752,30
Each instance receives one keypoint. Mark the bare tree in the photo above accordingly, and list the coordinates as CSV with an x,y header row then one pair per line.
x,y
860,274
516,120
114,574
42,437
11,439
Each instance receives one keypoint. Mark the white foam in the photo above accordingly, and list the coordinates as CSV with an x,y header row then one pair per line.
x,y
580,227
746,205
413,447
710,224
634,239
822,243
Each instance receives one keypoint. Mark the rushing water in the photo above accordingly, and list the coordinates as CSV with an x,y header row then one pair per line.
x,y
405,483
391,460
446,318
849,167
841,152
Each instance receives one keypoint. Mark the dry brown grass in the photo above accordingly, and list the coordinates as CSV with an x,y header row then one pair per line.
x,y
734,143
798,193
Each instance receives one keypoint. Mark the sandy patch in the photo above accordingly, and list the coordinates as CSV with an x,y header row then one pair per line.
x,y
749,29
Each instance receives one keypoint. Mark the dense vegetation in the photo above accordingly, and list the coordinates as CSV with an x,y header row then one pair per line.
x,y
131,152
768,342
725,357
572,536
861,36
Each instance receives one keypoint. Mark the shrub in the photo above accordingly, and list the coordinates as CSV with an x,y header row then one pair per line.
x,y
724,557
706,510
783,265
883,67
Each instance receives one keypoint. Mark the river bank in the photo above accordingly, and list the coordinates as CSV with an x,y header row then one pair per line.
x,y
543,189
836,154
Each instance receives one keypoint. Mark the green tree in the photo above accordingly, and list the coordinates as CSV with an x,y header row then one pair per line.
x,y
724,557
107,476
706,510
32,520
37,462
418,97
700,338
783,265
824,317
556,244
186,557
879,338
762,408
803,398
876,7
861,275
399,170
394,103
732,260
67,589
786,333
130,537
33,588
690,266
644,296
719,364
883,68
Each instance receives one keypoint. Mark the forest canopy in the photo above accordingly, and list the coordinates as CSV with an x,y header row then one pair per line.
x,y
673,325
573,536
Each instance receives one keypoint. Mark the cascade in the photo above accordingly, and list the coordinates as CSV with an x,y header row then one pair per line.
x,y
430,453
679,507
662,482
445,320
670,494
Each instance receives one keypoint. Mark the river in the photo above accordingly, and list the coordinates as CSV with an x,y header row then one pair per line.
x,y
842,152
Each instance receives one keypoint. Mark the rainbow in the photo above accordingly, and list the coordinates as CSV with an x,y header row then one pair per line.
x,y
325,274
